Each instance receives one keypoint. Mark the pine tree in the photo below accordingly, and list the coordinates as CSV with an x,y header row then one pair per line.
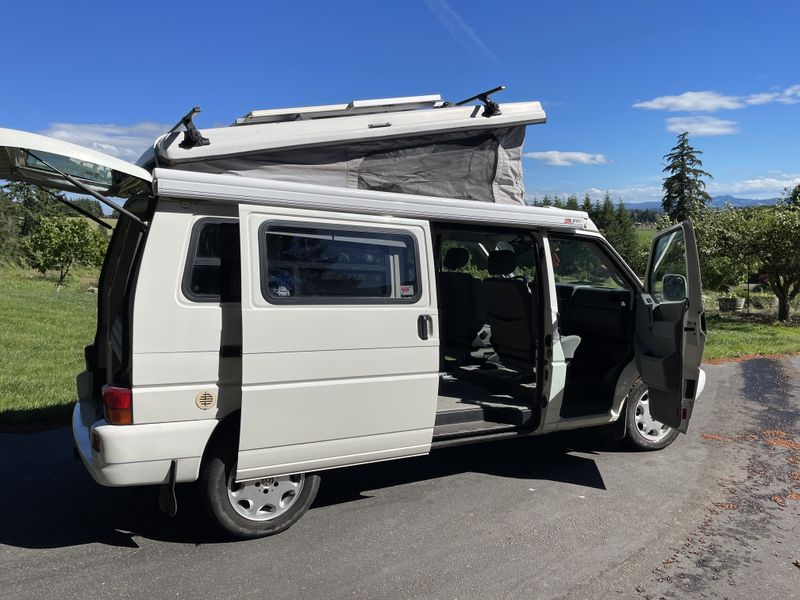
x,y
587,206
546,200
626,243
685,195
606,217
572,202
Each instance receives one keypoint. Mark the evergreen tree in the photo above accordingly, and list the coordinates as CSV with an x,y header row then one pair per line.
x,y
558,202
9,226
546,201
606,216
32,204
587,205
572,202
626,241
684,189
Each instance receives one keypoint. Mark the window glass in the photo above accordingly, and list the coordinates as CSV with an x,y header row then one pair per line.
x,y
582,262
476,264
667,277
315,264
213,270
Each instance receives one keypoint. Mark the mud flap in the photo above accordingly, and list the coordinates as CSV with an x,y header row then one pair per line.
x,y
167,500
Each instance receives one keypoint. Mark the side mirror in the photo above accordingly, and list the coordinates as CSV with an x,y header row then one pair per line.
x,y
674,287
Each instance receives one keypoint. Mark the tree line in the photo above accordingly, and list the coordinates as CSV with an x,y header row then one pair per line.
x,y
47,235
616,222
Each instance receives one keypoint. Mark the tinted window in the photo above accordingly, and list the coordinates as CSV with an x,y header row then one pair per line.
x,y
213,269
318,264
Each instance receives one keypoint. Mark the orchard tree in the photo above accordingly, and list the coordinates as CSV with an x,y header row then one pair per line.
x,y
774,242
685,193
733,241
60,243
723,247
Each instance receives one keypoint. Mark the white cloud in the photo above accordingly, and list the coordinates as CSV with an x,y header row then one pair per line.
x,y
632,193
759,187
458,28
701,125
557,158
692,101
790,95
123,141
708,101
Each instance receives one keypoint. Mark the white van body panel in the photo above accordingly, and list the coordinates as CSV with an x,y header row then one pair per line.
x,y
326,385
176,342
193,186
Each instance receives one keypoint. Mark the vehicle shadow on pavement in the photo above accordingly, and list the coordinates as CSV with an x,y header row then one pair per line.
x,y
546,458
49,501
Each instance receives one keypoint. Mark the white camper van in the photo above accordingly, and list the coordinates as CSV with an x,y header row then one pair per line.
x,y
325,286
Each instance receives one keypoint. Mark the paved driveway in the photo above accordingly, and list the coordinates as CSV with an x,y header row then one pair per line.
x,y
569,516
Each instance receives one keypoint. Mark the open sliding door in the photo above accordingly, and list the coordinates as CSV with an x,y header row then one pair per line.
x,y
340,343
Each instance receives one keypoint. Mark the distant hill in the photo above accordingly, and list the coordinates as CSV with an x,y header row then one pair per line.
x,y
716,202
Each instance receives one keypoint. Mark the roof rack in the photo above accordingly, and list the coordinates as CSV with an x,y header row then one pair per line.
x,y
356,107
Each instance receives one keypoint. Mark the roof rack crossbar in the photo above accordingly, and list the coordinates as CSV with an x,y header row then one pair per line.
x,y
490,107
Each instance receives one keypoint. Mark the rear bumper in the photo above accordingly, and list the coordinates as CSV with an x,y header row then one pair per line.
x,y
127,455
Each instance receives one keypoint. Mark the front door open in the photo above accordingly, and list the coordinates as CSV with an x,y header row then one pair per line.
x,y
670,327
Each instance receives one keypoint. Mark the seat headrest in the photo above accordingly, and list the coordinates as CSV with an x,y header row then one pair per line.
x,y
456,258
502,262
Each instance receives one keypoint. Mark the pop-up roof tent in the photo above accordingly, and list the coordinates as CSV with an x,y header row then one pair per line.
x,y
415,145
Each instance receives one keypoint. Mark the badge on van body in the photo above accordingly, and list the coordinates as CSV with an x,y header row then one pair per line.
x,y
205,400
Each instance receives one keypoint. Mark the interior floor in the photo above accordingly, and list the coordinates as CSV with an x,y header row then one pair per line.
x,y
465,407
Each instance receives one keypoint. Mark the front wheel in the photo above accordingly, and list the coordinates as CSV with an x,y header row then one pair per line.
x,y
642,431
256,508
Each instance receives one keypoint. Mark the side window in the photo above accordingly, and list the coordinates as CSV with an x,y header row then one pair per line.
x,y
464,257
302,264
582,262
667,277
213,267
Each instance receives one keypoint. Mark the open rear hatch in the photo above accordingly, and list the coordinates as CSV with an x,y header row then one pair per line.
x,y
54,164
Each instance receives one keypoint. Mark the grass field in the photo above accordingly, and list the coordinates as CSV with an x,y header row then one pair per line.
x,y
43,332
732,337
645,234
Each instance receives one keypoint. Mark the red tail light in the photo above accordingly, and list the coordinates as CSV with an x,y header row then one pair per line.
x,y
117,405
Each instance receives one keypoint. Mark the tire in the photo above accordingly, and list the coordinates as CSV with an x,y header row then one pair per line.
x,y
257,508
642,432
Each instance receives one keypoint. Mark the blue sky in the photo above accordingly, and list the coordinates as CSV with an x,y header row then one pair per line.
x,y
617,79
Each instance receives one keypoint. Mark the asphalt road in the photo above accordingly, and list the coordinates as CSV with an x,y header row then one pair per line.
x,y
563,516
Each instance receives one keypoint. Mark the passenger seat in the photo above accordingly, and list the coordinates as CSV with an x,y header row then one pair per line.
x,y
462,302
511,310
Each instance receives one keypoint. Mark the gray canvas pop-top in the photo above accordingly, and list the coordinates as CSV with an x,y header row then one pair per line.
x,y
417,145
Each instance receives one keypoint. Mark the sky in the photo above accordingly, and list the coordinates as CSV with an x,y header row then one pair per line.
x,y
618,79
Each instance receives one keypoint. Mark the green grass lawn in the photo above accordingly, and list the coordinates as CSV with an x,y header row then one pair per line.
x,y
645,235
732,337
42,334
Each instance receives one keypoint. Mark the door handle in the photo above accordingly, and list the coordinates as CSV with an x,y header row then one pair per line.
x,y
424,326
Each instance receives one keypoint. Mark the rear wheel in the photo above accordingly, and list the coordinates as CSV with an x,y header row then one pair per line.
x,y
642,431
256,508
